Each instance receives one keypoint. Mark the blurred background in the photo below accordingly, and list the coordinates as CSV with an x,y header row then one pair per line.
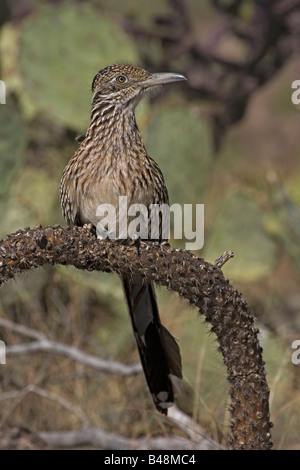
x,y
227,138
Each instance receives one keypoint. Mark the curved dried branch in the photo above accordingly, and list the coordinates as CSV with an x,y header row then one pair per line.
x,y
194,279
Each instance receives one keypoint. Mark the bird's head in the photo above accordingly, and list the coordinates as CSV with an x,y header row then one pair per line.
x,y
126,84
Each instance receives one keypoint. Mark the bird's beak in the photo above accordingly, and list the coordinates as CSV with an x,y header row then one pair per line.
x,y
162,78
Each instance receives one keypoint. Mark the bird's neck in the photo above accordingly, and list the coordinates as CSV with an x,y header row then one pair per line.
x,y
114,127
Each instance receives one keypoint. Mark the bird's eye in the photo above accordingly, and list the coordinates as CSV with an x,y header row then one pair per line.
x,y
121,79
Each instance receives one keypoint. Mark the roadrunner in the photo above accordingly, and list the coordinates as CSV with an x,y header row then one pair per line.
x,y
112,161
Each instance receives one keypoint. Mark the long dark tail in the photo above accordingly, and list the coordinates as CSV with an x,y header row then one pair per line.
x,y
159,352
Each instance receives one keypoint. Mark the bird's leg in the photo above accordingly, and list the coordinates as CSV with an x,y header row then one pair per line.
x,y
137,243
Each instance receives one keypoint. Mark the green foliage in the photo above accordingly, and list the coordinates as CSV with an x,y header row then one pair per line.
x,y
33,201
239,226
12,144
293,187
181,142
12,147
284,223
58,70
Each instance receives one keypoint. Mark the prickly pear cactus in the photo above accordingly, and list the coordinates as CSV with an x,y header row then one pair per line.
x,y
239,226
181,143
12,144
61,48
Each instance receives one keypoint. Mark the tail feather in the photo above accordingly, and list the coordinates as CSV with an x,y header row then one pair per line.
x,y
159,352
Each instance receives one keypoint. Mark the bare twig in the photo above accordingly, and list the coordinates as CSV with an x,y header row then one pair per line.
x,y
104,440
45,345
97,437
21,329
32,388
223,258
193,430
